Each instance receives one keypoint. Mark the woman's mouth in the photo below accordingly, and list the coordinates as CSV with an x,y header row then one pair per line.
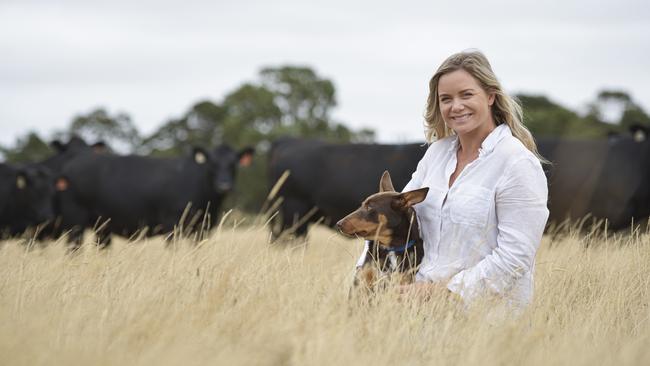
x,y
462,117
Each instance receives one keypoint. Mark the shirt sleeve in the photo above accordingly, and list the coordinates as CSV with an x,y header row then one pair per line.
x,y
521,213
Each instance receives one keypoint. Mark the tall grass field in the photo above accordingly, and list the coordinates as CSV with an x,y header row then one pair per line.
x,y
234,298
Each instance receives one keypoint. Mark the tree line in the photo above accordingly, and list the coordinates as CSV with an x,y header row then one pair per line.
x,y
293,101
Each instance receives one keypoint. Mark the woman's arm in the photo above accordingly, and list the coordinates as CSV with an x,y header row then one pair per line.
x,y
521,211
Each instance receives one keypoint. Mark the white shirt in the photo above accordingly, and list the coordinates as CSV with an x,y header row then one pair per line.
x,y
483,238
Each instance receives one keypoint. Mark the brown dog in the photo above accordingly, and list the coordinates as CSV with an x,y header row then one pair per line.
x,y
387,220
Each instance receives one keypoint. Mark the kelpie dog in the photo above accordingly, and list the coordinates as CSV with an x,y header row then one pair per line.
x,y
387,220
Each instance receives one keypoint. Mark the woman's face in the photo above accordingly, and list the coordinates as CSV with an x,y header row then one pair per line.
x,y
464,105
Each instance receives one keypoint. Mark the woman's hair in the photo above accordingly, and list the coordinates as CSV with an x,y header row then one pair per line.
x,y
505,109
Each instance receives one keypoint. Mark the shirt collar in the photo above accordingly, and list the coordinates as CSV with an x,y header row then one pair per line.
x,y
490,141
494,137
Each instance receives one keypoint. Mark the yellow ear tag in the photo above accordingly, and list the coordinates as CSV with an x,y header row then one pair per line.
x,y
199,157
639,136
21,183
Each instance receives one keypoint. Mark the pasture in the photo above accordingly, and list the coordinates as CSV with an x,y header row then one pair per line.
x,y
232,298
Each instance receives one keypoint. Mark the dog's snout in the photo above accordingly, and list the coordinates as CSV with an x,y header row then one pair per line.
x,y
339,225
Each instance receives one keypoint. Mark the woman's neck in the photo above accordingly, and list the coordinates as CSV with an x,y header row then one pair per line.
x,y
471,142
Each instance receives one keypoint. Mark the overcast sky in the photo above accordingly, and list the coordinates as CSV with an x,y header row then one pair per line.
x,y
154,59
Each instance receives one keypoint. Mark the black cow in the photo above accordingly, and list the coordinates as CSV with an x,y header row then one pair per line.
x,y
124,194
607,179
329,180
63,153
25,197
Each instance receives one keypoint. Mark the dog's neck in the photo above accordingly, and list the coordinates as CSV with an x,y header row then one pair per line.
x,y
398,255
405,235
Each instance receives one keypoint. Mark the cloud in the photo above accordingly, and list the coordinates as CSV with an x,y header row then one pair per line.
x,y
152,59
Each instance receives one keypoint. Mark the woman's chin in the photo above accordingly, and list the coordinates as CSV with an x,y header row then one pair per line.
x,y
462,129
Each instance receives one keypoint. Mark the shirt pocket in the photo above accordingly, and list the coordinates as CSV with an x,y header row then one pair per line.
x,y
471,205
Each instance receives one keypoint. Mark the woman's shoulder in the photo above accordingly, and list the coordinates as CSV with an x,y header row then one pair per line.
x,y
517,159
441,145
512,149
438,150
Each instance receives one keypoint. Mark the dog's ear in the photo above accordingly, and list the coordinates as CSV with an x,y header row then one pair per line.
x,y
410,198
385,184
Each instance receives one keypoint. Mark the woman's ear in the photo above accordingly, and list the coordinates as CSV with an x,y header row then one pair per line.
x,y
491,97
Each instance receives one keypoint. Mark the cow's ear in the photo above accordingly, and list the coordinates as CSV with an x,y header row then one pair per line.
x,y
62,184
100,147
21,181
58,146
410,198
639,132
200,156
246,156
386,184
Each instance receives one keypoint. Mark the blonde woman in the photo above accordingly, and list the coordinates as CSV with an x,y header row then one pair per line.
x,y
484,215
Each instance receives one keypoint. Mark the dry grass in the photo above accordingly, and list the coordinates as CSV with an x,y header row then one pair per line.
x,y
235,299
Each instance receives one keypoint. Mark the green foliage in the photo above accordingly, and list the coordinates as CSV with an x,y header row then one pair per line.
x,y
614,94
251,187
304,98
28,148
634,115
543,117
251,115
288,100
200,126
117,131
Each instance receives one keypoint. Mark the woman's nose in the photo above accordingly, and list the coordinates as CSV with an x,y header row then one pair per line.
x,y
457,105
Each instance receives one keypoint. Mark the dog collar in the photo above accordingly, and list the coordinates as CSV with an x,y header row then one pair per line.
x,y
401,249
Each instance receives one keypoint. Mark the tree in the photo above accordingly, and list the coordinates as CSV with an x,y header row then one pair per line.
x,y
543,117
251,115
28,148
634,115
306,100
117,131
631,114
304,97
626,111
202,126
287,101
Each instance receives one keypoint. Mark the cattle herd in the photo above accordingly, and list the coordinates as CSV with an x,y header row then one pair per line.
x,y
599,179
85,186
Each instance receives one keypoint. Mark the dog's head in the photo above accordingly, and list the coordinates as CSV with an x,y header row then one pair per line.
x,y
382,213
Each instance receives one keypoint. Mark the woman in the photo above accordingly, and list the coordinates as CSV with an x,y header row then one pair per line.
x,y
484,215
